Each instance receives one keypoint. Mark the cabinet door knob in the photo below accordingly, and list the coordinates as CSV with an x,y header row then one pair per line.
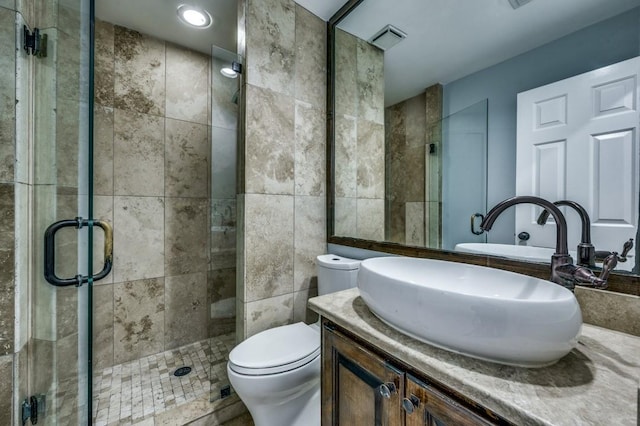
x,y
386,389
410,404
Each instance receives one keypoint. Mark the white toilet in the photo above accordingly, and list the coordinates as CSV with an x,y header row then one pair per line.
x,y
276,372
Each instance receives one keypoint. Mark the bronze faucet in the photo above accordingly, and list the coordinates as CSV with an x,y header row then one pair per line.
x,y
563,271
587,254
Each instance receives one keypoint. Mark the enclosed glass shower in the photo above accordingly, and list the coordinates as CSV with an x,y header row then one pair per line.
x,y
130,141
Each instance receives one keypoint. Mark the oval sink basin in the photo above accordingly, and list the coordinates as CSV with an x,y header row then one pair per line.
x,y
481,312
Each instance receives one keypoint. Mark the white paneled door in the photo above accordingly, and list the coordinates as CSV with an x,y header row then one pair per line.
x,y
578,140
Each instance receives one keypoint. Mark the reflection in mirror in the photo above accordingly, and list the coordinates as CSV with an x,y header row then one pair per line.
x,y
540,100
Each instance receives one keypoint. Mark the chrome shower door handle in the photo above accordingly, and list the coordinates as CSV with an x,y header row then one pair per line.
x,y
50,252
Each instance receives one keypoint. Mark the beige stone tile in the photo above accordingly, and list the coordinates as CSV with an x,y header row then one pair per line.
x,y
300,310
66,360
370,77
23,104
268,313
8,4
103,150
67,143
606,309
187,159
7,95
6,392
66,317
139,83
415,220
41,363
139,319
44,75
185,309
311,58
46,13
371,161
102,210
270,142
221,292
187,88
225,112
138,238
103,320
186,245
434,235
269,241
270,37
345,217
23,262
310,239
346,144
396,232
138,154
310,150
223,162
6,301
104,63
370,219
68,66
7,216
346,102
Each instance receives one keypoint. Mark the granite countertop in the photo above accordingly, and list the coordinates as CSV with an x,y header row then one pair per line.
x,y
595,384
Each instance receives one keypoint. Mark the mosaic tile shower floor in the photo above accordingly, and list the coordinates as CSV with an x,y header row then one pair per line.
x,y
132,392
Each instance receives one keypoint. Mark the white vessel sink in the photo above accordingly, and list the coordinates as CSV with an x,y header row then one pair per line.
x,y
484,313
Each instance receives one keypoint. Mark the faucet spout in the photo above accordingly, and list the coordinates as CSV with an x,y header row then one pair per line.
x,y
561,234
586,250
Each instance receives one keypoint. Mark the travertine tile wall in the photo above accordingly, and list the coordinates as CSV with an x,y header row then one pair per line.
x,y
152,181
359,139
413,140
405,139
281,210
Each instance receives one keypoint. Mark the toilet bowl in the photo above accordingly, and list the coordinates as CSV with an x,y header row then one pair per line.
x,y
276,372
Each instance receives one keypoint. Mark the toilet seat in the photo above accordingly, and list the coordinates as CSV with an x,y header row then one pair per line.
x,y
276,350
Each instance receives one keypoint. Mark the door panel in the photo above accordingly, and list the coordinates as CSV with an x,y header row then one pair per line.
x,y
59,341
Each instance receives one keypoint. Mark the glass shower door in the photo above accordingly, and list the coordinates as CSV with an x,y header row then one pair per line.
x,y
59,369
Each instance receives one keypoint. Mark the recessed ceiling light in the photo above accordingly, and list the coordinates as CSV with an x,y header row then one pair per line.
x,y
228,72
194,16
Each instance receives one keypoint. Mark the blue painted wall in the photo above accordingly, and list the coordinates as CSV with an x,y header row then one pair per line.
x,y
607,42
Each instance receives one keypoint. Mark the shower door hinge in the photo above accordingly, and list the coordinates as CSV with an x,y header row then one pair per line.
x,y
31,407
34,43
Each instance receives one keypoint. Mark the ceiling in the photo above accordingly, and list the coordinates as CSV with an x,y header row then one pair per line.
x,y
158,18
448,39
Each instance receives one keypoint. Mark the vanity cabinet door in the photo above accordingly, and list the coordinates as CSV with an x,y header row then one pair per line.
x,y
426,406
359,388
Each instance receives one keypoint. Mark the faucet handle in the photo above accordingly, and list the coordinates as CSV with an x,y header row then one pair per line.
x,y
608,265
626,248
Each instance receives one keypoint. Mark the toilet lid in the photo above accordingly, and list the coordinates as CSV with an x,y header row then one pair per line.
x,y
276,350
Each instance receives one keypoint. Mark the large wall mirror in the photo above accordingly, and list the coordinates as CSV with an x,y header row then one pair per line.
x,y
440,109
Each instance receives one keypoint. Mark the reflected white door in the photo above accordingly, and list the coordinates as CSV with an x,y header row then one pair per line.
x,y
578,140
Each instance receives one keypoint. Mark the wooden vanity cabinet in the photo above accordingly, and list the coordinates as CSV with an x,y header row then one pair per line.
x,y
361,387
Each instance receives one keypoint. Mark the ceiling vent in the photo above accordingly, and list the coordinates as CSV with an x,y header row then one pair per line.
x,y
388,37
518,3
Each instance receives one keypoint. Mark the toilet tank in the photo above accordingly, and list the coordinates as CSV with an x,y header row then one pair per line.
x,y
336,273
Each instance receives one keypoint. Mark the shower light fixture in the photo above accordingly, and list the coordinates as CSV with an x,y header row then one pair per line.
x,y
228,72
194,16
233,70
